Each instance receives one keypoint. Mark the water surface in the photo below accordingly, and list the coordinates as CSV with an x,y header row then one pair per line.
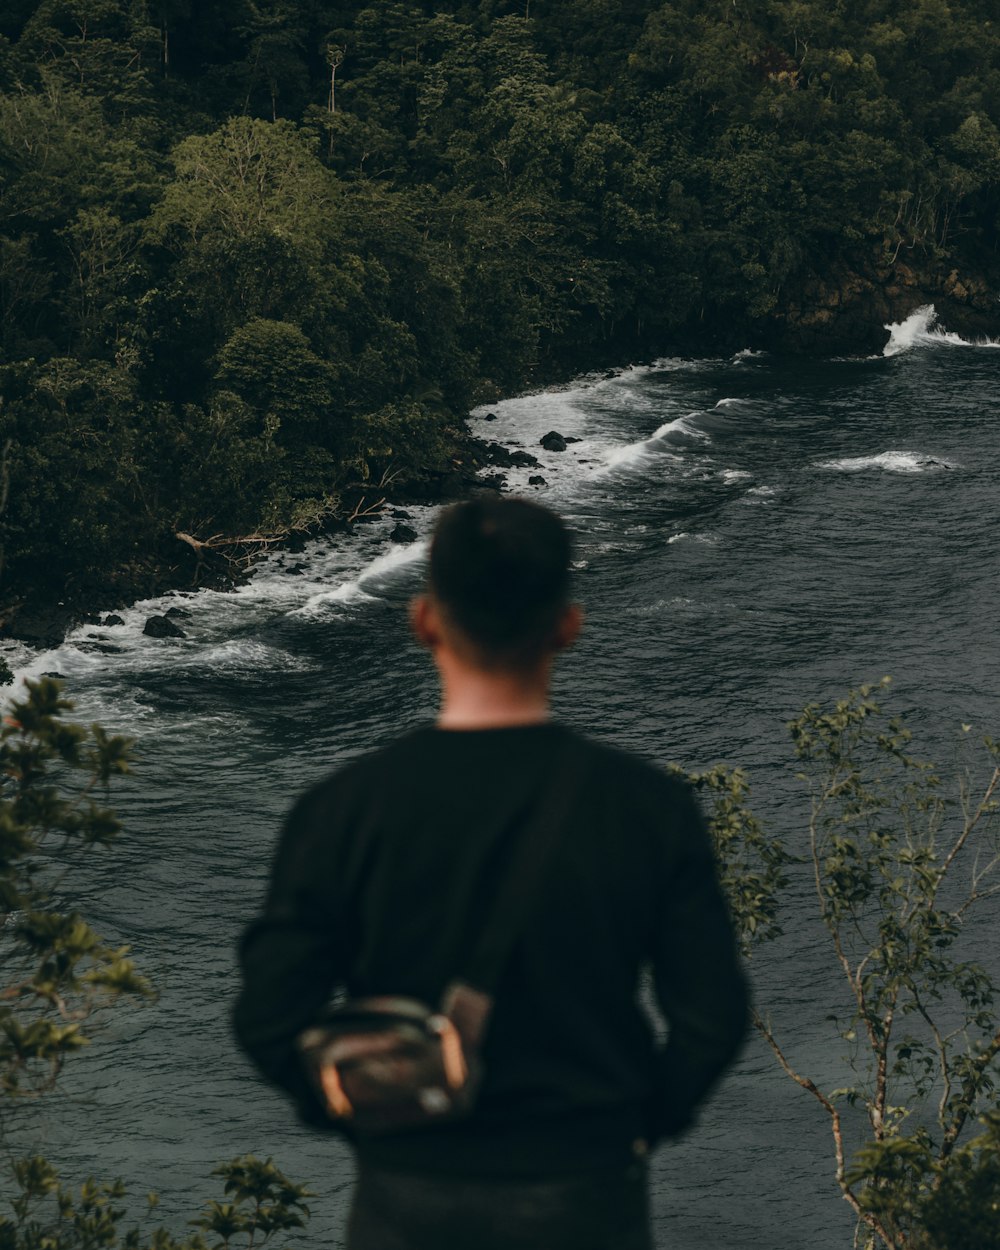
x,y
752,533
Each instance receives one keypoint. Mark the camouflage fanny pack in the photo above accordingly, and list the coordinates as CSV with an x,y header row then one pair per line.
x,y
387,1063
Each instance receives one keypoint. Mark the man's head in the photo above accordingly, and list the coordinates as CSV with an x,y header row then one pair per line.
x,y
499,582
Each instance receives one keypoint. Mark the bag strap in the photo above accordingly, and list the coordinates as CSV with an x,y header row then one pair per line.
x,y
509,907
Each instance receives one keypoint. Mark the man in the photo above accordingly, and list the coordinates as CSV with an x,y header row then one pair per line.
x,y
381,866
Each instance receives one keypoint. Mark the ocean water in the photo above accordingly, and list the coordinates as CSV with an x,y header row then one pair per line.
x,y
752,533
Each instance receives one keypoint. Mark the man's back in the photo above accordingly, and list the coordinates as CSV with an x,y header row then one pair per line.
x,y
389,867
385,876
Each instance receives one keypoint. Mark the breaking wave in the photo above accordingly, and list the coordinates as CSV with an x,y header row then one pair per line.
x,y
919,330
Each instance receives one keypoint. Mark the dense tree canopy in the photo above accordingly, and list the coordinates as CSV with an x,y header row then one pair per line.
x,y
253,253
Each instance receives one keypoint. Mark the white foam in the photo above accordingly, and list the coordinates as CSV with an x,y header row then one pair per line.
x,y
730,403
708,539
634,455
582,411
918,330
397,558
682,428
339,596
238,655
890,462
350,592
735,475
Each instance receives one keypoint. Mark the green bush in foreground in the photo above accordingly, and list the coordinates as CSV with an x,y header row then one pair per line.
x,y
58,973
902,879
51,1216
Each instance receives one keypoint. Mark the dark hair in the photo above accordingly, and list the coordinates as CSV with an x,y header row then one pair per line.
x,y
499,568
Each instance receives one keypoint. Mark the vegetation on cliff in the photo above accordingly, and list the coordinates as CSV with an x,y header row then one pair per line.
x,y
256,256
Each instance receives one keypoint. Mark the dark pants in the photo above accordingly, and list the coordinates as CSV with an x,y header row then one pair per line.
x,y
602,1210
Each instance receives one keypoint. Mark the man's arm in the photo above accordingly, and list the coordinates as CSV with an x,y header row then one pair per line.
x,y
699,982
292,957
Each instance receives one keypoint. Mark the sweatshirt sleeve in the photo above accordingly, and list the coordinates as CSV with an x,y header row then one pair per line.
x,y
292,956
700,985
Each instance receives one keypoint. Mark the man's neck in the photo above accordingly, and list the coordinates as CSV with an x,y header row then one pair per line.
x,y
474,698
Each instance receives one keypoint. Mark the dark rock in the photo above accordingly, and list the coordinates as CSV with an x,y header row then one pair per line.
x,y
536,479
403,534
99,637
553,441
173,612
161,627
113,620
296,570
505,458
101,647
42,626
493,481
57,676
400,514
296,544
489,416
570,439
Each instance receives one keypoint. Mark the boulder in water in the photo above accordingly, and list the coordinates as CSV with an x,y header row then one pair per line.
x,y
536,479
162,627
553,441
506,458
175,612
113,619
403,534
489,416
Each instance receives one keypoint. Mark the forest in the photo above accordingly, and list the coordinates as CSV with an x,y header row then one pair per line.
x,y
258,259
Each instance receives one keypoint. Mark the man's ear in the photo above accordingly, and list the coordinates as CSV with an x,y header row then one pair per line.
x,y
425,622
568,627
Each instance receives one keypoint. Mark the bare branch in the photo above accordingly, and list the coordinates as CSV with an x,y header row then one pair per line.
x,y
971,822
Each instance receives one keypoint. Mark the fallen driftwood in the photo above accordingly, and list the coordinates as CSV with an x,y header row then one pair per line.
x,y
235,554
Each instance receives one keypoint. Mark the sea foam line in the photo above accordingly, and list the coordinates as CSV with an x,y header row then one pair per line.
x,y
890,461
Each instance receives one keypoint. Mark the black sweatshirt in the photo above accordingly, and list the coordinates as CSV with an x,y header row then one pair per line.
x,y
380,874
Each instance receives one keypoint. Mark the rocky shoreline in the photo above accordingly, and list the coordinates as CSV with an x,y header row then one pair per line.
x,y
843,311
42,621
